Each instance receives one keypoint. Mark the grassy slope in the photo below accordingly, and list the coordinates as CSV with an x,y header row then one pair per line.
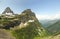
x,y
30,32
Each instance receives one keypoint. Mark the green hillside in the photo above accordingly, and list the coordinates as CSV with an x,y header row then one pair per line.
x,y
32,30
27,26
54,28
23,26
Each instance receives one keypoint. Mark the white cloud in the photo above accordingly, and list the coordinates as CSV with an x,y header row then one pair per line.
x,y
46,16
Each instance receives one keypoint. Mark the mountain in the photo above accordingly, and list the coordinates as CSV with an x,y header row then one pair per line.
x,y
54,28
47,23
29,27
8,10
8,13
23,26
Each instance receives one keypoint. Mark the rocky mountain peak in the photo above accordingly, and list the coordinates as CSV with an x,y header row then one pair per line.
x,y
28,12
27,15
8,10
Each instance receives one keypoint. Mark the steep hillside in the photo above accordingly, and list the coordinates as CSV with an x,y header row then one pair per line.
x,y
56,37
23,26
51,37
54,28
30,27
47,23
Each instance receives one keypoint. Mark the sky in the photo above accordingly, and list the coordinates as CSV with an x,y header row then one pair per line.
x,y
44,9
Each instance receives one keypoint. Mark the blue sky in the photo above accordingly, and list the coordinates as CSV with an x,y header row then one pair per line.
x,y
42,8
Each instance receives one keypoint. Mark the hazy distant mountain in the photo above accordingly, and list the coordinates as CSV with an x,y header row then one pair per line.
x,y
48,22
54,28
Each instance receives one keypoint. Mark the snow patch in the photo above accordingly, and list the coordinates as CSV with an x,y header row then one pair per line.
x,y
25,24
31,21
9,14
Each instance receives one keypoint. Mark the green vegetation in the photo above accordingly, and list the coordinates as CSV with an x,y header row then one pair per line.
x,y
33,30
29,32
54,28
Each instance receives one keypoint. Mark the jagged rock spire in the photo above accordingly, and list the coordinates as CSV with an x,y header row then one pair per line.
x,y
28,12
8,10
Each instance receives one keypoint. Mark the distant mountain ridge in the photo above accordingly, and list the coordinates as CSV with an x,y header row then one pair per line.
x,y
54,28
47,23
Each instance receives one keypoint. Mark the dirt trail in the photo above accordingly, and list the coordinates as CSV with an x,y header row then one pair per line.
x,y
5,35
